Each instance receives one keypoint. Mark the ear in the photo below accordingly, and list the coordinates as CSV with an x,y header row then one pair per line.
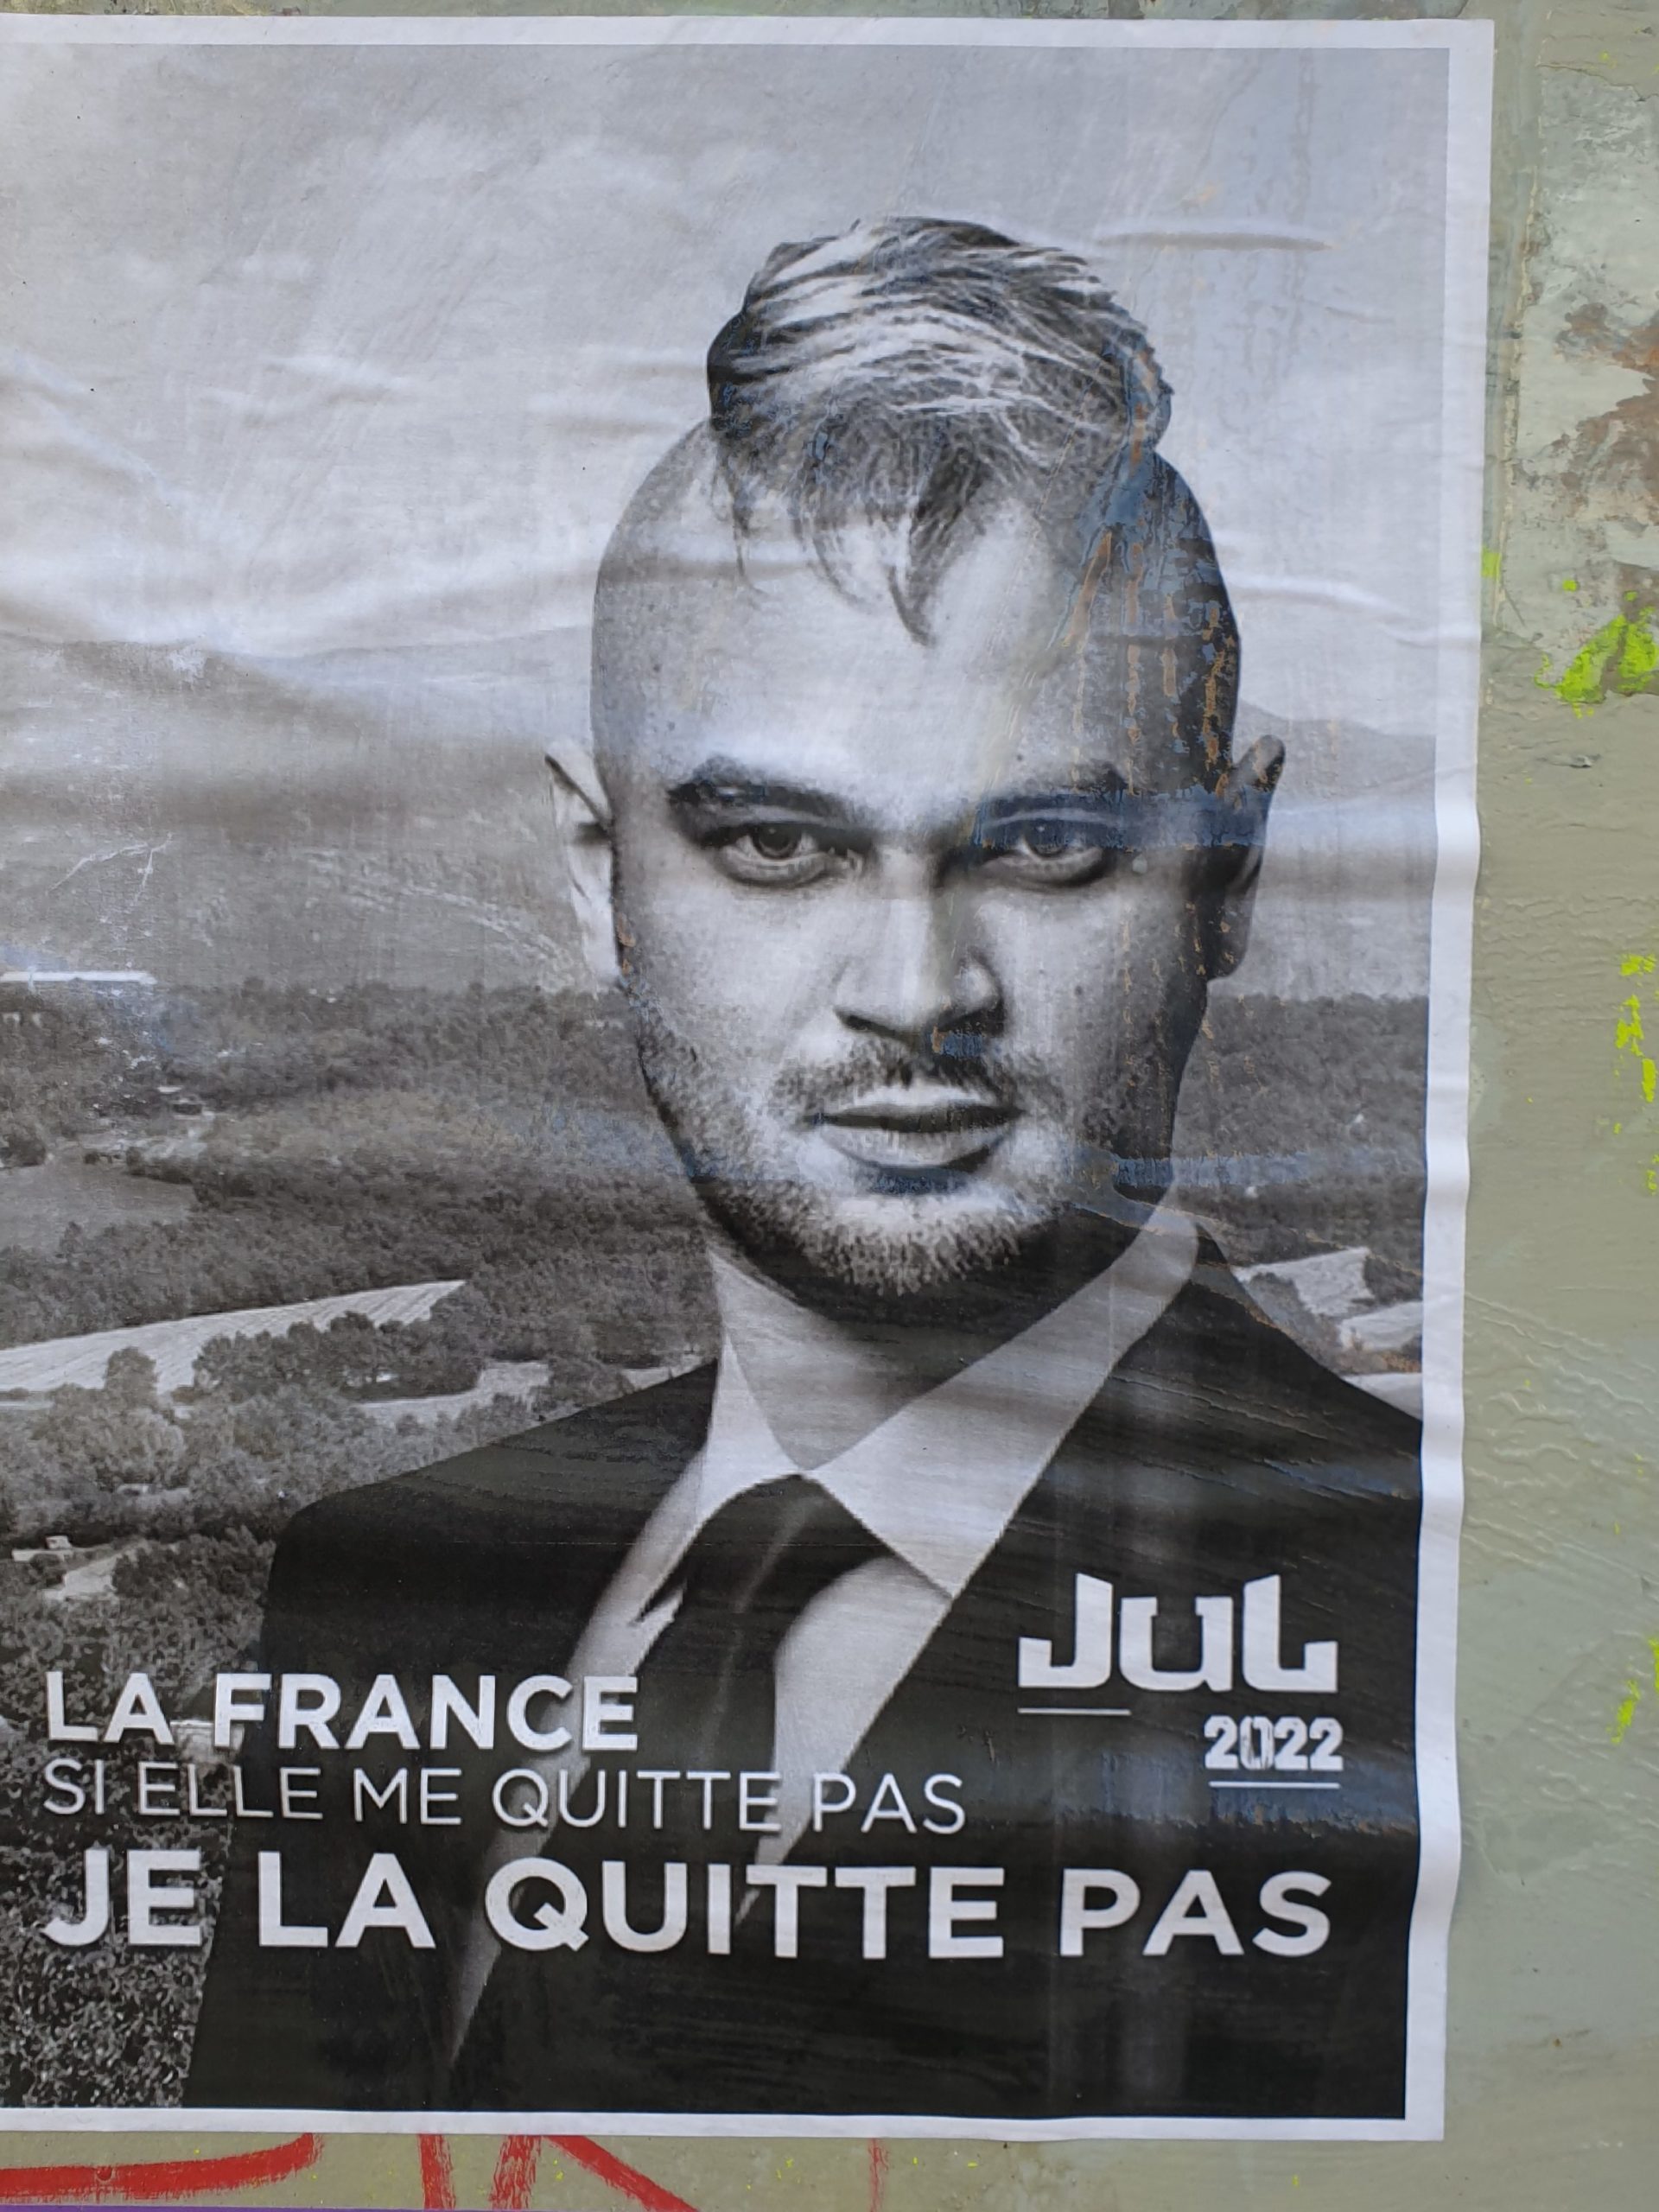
x,y
581,813
1246,791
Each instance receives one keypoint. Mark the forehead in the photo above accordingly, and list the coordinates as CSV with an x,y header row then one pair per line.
x,y
1027,679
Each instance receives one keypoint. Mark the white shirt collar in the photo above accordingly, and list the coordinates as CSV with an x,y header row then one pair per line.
x,y
939,1482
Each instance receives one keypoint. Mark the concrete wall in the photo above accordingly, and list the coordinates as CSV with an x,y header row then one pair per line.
x,y
1554,2008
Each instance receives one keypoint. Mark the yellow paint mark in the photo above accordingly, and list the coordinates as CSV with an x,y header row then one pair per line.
x,y
1630,1036
1492,564
1622,656
1626,1712
1639,659
1569,583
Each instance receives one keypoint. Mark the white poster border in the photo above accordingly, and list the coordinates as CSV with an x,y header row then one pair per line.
x,y
1469,48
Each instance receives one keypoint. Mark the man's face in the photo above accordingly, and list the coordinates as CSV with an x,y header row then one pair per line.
x,y
905,995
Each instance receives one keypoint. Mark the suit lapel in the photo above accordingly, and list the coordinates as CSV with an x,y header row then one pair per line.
x,y
518,1542
1194,1460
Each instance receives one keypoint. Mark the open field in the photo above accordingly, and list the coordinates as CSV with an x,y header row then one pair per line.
x,y
175,1346
38,1203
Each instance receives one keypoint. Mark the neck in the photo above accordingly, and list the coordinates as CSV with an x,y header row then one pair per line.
x,y
824,1376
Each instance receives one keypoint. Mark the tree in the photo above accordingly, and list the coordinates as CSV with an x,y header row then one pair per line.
x,y
22,1144
91,1432
130,1379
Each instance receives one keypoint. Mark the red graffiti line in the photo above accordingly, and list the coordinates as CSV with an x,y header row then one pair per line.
x,y
878,2173
158,2181
437,2174
515,2174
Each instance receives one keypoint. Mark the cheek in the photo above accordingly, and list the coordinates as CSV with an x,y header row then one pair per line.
x,y
733,975
1088,978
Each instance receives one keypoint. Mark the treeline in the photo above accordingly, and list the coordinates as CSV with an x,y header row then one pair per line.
x,y
110,2023
381,1136
579,1271
119,1462
66,1059
80,1051
1301,1130
196,1490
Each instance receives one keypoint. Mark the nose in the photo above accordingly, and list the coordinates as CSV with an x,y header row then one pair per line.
x,y
908,974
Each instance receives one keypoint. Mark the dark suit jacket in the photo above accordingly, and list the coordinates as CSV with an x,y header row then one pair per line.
x,y
1218,1452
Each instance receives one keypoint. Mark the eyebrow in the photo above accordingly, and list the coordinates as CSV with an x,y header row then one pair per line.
x,y
1189,816
1095,787
720,787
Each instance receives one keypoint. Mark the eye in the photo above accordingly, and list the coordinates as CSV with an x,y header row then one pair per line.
x,y
784,854
1049,853
1046,841
778,841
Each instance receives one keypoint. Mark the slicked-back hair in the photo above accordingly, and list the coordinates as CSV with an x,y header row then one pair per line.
x,y
914,378
908,371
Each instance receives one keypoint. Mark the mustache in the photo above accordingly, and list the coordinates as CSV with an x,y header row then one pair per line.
x,y
961,1065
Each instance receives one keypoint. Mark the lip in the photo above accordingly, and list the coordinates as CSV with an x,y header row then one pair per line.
x,y
912,1130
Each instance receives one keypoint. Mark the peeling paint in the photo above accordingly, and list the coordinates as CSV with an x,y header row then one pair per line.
x,y
1620,446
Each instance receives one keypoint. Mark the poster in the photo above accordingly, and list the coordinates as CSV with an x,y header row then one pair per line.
x,y
737,879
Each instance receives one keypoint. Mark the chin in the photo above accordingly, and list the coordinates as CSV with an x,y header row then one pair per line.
x,y
886,1251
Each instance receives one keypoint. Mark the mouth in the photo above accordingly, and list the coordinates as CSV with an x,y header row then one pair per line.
x,y
912,1129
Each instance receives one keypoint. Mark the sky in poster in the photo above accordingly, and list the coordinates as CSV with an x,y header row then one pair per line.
x,y
318,421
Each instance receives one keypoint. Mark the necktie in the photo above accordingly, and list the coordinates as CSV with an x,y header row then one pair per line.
x,y
706,1702
707,1699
